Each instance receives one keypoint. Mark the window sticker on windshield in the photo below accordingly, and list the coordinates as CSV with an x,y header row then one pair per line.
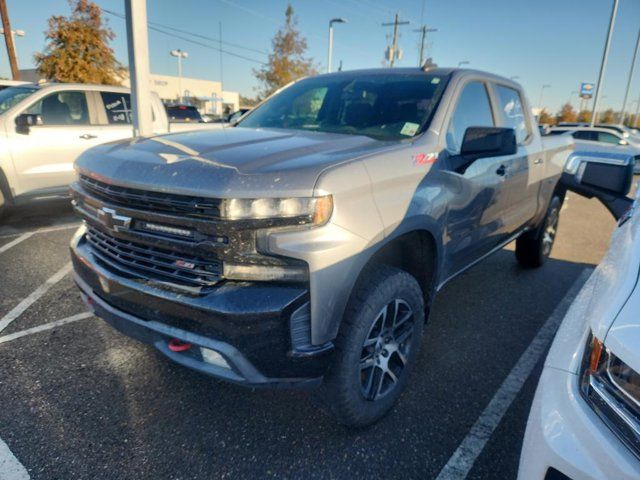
x,y
409,129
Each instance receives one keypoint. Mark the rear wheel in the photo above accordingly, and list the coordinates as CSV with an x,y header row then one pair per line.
x,y
3,203
376,348
533,248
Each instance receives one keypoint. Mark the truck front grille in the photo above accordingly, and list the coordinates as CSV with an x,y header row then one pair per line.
x,y
152,263
197,207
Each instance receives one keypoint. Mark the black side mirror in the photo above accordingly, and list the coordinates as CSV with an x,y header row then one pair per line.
x,y
25,121
605,175
481,142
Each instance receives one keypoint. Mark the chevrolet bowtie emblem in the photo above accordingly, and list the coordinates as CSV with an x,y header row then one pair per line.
x,y
110,219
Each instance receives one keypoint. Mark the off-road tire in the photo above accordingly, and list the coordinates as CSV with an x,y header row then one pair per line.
x,y
345,387
534,247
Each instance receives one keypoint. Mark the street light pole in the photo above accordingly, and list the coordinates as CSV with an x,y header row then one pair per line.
x,y
330,52
633,67
180,55
464,62
541,93
603,64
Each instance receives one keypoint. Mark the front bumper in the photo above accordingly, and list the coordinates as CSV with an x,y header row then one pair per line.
x,y
248,324
564,434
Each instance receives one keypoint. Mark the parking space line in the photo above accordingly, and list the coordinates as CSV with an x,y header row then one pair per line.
x,y
43,230
462,460
10,467
19,309
46,326
15,242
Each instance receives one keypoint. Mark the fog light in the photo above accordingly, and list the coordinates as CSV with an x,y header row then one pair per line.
x,y
213,357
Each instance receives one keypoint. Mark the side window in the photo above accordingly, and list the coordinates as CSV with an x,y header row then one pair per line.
x,y
512,111
585,135
118,107
62,108
608,138
472,110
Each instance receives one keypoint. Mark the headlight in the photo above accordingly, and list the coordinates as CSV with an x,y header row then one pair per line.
x,y
612,389
313,210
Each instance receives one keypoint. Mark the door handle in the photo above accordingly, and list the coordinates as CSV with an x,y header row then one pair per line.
x,y
537,161
88,136
501,170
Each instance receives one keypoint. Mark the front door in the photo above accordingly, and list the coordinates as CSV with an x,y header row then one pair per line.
x,y
43,157
475,222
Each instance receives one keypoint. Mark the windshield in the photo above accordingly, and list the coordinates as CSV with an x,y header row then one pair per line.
x,y
381,106
12,95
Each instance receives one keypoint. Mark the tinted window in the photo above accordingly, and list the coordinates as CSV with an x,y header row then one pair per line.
x,y
585,135
118,107
512,111
472,110
557,132
608,138
12,95
183,113
381,106
62,108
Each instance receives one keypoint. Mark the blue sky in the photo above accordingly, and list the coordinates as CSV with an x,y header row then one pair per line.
x,y
557,42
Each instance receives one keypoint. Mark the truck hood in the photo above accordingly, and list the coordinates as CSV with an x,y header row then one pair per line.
x,y
226,163
615,305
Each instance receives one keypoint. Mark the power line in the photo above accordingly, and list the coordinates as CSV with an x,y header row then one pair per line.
x,y
163,29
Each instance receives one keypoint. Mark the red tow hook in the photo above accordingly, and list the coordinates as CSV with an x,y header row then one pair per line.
x,y
176,345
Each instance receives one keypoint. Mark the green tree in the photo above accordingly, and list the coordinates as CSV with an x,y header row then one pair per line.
x,y
78,49
287,61
608,116
248,101
584,116
544,117
566,114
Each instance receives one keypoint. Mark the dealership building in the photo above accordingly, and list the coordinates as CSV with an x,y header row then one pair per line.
x,y
206,95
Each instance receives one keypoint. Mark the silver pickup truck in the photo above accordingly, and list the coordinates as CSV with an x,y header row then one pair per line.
x,y
304,247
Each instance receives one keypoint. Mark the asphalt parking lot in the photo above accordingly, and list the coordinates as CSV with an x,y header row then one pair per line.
x,y
79,400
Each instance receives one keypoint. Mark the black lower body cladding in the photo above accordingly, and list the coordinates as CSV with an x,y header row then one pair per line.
x,y
247,323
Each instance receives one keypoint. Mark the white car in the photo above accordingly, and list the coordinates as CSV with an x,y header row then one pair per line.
x,y
45,127
585,418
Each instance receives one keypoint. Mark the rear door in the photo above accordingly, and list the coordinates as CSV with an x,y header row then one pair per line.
x,y
115,115
525,169
44,156
475,223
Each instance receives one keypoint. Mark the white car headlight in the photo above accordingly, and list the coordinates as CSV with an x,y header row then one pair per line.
x,y
313,210
612,389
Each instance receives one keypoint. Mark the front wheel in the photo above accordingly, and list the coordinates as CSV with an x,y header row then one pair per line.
x,y
533,248
376,347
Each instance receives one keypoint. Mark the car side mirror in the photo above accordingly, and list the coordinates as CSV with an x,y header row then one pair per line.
x,y
623,142
605,175
25,121
482,142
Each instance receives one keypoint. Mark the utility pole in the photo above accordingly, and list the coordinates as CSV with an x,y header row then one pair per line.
x,y
603,64
138,47
221,79
633,67
8,39
423,36
393,50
